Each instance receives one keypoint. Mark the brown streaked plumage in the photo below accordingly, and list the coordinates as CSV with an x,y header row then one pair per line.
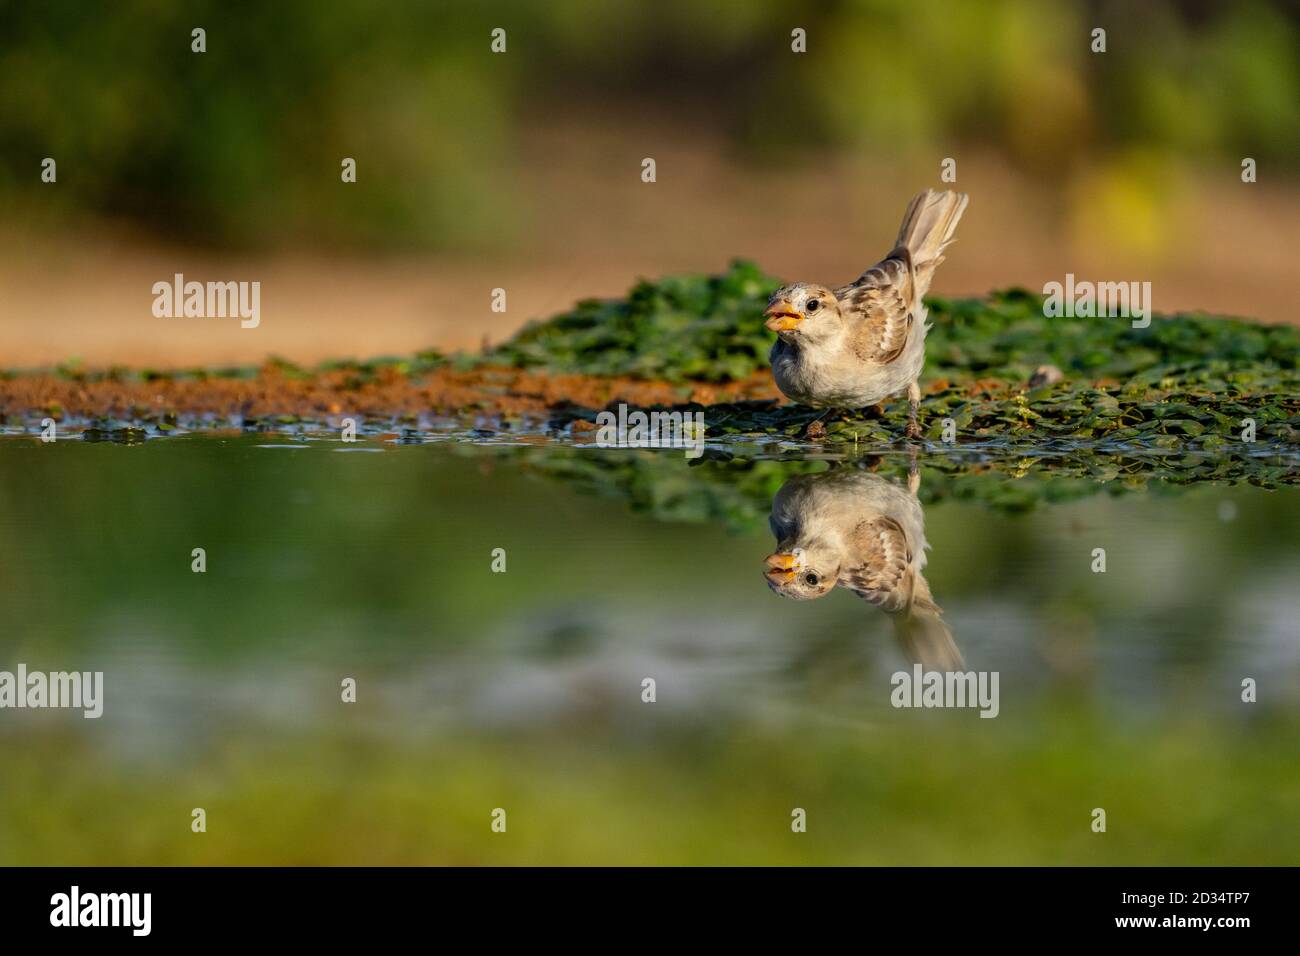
x,y
883,558
859,531
865,342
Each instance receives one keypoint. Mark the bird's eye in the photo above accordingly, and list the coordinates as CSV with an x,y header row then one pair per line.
x,y
813,305
811,578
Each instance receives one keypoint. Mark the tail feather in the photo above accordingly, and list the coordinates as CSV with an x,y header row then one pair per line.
x,y
927,229
922,634
926,639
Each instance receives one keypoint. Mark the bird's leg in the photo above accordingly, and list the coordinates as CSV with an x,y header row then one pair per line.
x,y
914,401
913,471
815,430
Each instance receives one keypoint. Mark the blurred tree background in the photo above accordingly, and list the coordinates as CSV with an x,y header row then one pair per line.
x,y
241,146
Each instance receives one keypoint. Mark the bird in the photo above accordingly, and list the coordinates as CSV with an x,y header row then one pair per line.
x,y
865,533
857,345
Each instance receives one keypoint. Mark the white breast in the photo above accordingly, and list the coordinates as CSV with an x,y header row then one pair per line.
x,y
842,380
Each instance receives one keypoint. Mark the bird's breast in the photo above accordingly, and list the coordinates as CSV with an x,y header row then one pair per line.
x,y
830,380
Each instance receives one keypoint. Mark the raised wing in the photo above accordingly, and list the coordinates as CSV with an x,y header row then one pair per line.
x,y
883,301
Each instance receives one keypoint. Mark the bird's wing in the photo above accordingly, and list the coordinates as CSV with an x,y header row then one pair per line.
x,y
879,574
882,300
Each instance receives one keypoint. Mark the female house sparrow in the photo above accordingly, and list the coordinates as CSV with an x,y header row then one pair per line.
x,y
865,533
864,342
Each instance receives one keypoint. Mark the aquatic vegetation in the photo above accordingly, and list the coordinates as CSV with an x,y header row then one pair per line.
x,y
1184,379
678,328
736,488
1184,384
710,328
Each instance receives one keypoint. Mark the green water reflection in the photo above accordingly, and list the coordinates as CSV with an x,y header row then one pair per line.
x,y
523,689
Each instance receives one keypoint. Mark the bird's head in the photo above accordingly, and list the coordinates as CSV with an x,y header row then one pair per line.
x,y
803,312
794,575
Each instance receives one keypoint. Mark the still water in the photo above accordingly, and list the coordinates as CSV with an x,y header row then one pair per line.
x,y
507,610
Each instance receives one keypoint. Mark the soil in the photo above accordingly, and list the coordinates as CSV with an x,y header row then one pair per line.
x,y
386,393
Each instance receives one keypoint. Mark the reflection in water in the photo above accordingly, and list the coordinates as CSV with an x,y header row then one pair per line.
x,y
530,683
866,533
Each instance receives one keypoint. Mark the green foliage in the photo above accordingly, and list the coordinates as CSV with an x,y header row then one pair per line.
x,y
242,144
1184,378
736,488
707,328
710,328
1020,73
1194,411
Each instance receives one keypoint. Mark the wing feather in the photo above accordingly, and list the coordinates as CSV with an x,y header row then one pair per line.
x,y
882,300
883,575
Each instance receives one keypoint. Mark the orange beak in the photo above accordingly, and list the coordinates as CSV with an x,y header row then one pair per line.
x,y
780,568
782,317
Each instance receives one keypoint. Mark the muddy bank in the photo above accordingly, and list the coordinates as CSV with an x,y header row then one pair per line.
x,y
385,394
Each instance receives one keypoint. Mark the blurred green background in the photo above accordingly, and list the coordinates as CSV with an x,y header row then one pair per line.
x,y
242,145
522,170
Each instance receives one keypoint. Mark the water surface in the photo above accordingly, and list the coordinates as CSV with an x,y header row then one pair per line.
x,y
478,689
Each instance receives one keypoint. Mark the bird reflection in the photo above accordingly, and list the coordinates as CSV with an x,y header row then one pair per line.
x,y
866,533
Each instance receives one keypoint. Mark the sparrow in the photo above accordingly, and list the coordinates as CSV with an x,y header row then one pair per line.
x,y
859,531
862,343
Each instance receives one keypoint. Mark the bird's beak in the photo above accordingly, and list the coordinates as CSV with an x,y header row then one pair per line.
x,y
780,568
782,317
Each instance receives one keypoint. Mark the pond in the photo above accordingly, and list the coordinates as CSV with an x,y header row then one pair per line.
x,y
600,643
